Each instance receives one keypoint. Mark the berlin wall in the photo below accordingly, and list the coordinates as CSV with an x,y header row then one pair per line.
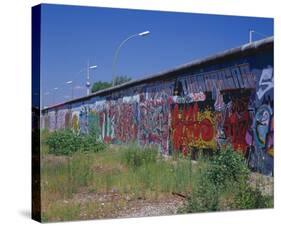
x,y
225,99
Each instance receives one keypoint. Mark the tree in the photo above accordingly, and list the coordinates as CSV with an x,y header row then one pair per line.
x,y
97,86
118,80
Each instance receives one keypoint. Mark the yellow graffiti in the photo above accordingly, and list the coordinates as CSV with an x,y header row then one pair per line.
x,y
200,143
193,129
75,123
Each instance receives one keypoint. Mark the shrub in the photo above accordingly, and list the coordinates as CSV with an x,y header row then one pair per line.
x,y
90,143
65,142
226,175
227,165
247,197
204,197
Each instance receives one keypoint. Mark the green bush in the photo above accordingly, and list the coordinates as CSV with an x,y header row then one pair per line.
x,y
247,197
226,175
65,142
227,165
90,143
203,198
62,142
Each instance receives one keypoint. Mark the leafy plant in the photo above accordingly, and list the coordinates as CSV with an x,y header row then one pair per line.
x,y
62,142
118,80
225,176
204,197
65,142
97,86
247,197
227,165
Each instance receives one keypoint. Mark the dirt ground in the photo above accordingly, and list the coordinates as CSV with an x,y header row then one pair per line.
x,y
114,205
265,183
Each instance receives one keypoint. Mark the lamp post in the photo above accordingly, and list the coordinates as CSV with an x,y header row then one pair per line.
x,y
88,82
251,32
71,83
251,35
141,34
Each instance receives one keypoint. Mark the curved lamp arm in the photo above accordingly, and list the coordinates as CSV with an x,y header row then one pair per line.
x,y
118,50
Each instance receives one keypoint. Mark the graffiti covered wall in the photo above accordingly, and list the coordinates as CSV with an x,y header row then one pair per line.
x,y
228,102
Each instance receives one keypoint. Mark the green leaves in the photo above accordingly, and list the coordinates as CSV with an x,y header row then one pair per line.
x,y
247,197
223,185
65,142
97,86
225,166
118,80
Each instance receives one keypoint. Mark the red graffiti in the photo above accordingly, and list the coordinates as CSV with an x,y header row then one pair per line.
x,y
236,125
189,129
123,122
107,139
118,123
154,127
184,151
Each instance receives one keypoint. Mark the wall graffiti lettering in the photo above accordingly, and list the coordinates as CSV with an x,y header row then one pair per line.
x,y
189,98
265,82
67,120
154,127
192,127
233,122
239,76
75,123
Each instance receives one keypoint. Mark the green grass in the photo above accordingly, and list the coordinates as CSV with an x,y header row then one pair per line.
x,y
112,170
138,173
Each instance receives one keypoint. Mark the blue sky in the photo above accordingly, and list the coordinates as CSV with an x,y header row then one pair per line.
x,y
72,35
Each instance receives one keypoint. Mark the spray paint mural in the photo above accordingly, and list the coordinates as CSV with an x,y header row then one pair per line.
x,y
192,126
219,103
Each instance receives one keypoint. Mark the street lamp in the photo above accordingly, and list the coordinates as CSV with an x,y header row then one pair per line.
x,y
251,35
251,32
88,83
71,83
141,34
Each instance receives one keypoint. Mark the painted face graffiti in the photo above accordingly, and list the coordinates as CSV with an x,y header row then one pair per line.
x,y
270,139
261,124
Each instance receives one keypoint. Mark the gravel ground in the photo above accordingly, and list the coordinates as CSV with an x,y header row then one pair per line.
x,y
160,208
265,183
